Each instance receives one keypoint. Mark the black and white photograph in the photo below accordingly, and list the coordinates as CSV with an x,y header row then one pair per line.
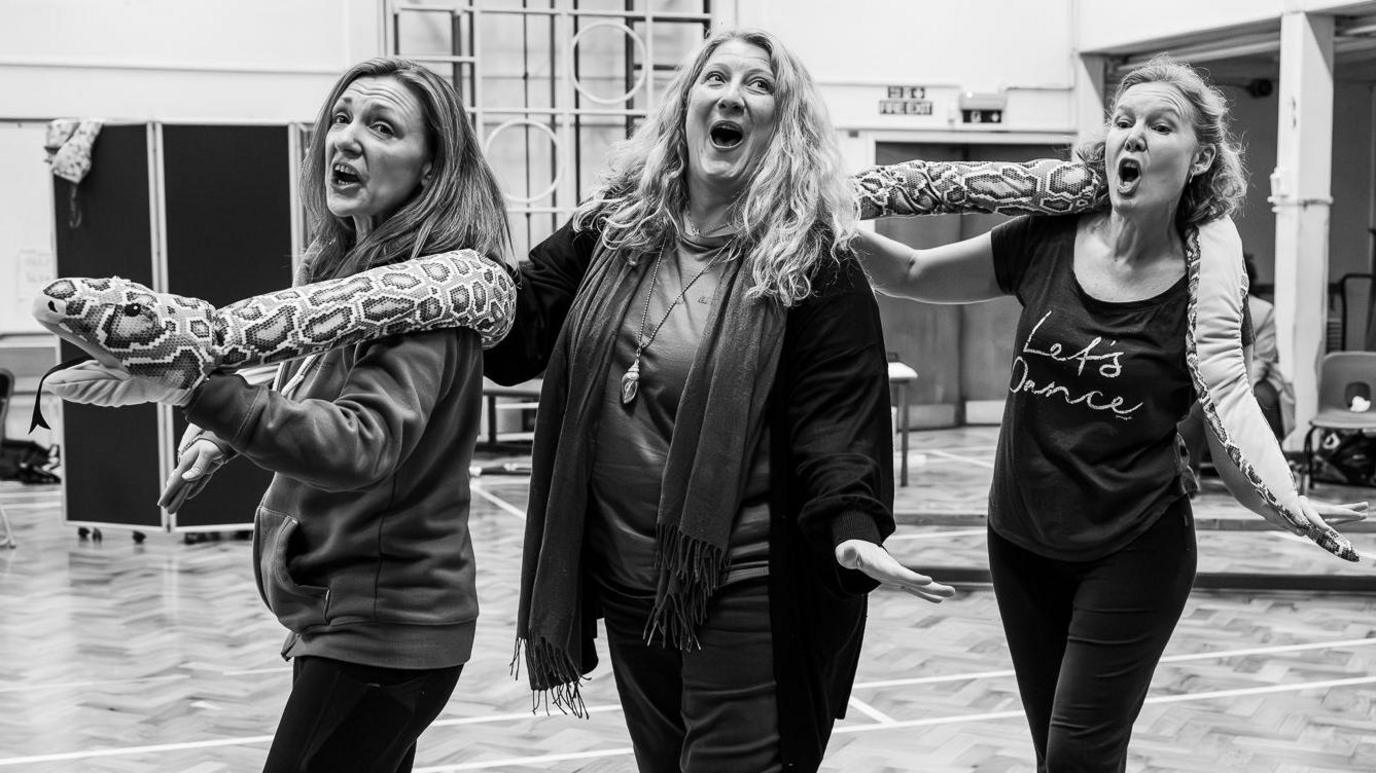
x,y
687,386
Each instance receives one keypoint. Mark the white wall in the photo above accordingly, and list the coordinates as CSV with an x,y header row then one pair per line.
x,y
166,60
855,49
178,59
26,226
1105,24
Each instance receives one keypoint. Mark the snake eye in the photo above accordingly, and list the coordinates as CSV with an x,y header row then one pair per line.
x,y
133,309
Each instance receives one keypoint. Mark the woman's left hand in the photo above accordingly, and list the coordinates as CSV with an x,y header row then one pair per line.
x,y
876,562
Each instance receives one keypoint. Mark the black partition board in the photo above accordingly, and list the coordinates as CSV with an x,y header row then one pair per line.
x,y
227,197
111,464
114,235
110,455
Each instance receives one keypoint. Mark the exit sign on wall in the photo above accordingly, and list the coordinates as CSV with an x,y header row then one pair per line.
x,y
905,100
981,116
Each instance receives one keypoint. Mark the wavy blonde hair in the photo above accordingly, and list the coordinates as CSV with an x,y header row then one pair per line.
x,y
1218,190
796,209
462,208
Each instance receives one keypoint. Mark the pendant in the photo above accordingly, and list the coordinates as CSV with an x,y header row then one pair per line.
x,y
630,383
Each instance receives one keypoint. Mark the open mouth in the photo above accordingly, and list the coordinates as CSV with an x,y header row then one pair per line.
x,y
1129,175
726,135
50,313
342,174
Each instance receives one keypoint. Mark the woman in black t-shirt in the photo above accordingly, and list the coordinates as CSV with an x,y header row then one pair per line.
x,y
1091,541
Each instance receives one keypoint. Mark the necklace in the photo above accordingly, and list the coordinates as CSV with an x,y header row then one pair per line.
x,y
630,382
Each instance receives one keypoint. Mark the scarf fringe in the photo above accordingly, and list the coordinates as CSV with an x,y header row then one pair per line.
x,y
694,570
550,665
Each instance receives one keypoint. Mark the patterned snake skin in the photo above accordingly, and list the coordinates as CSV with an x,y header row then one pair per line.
x,y
1048,186
1041,187
1219,401
179,342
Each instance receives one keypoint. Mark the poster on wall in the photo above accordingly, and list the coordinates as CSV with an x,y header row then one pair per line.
x,y
33,269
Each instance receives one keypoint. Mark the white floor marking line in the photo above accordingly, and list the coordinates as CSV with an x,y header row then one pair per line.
x,y
871,712
887,723
1203,696
930,721
965,459
936,535
934,679
893,724
516,717
957,449
1217,655
127,750
1317,645
1270,688
527,760
498,501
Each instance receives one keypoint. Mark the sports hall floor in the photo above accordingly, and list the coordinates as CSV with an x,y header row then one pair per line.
x,y
160,657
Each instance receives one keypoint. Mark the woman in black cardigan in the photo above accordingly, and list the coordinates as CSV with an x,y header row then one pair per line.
x,y
713,463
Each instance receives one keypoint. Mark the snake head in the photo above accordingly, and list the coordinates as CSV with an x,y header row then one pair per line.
x,y
124,324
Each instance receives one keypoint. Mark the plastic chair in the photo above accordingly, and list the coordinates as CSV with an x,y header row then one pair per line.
x,y
1342,376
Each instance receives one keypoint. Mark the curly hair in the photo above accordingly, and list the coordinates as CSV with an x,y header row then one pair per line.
x,y
1219,190
796,209
462,208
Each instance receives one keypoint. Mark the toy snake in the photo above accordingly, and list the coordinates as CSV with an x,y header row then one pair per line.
x,y
178,342
1217,296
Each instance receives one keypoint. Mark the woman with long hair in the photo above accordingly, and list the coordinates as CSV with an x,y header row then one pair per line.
x,y
1091,537
713,454
361,541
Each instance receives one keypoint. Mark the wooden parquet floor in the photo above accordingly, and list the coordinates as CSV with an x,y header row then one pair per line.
x,y
116,656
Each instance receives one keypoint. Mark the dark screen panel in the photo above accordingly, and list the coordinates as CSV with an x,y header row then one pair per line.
x,y
228,221
111,455
228,208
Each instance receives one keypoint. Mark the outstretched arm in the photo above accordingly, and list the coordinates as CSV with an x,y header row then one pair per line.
x,y
953,273
840,440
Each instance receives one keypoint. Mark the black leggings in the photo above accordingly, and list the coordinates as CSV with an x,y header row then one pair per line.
x,y
346,717
712,709
1085,637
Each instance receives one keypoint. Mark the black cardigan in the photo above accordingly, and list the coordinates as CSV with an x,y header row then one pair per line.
x,y
831,471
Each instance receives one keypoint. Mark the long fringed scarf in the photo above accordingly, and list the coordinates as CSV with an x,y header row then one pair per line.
x,y
720,417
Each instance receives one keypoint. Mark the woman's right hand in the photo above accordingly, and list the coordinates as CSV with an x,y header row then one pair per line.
x,y
879,565
196,463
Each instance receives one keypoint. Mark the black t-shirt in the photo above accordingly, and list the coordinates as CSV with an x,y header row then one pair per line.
x,y
1087,457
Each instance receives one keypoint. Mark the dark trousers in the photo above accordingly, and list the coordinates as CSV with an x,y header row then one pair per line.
x,y
346,717
709,710
1085,637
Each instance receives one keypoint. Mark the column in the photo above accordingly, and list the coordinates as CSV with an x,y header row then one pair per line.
x,y
1301,197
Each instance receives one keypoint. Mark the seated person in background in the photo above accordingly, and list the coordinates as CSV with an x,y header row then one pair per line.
x,y
1272,389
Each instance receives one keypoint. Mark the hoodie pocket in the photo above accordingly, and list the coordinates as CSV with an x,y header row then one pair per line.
x,y
298,607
